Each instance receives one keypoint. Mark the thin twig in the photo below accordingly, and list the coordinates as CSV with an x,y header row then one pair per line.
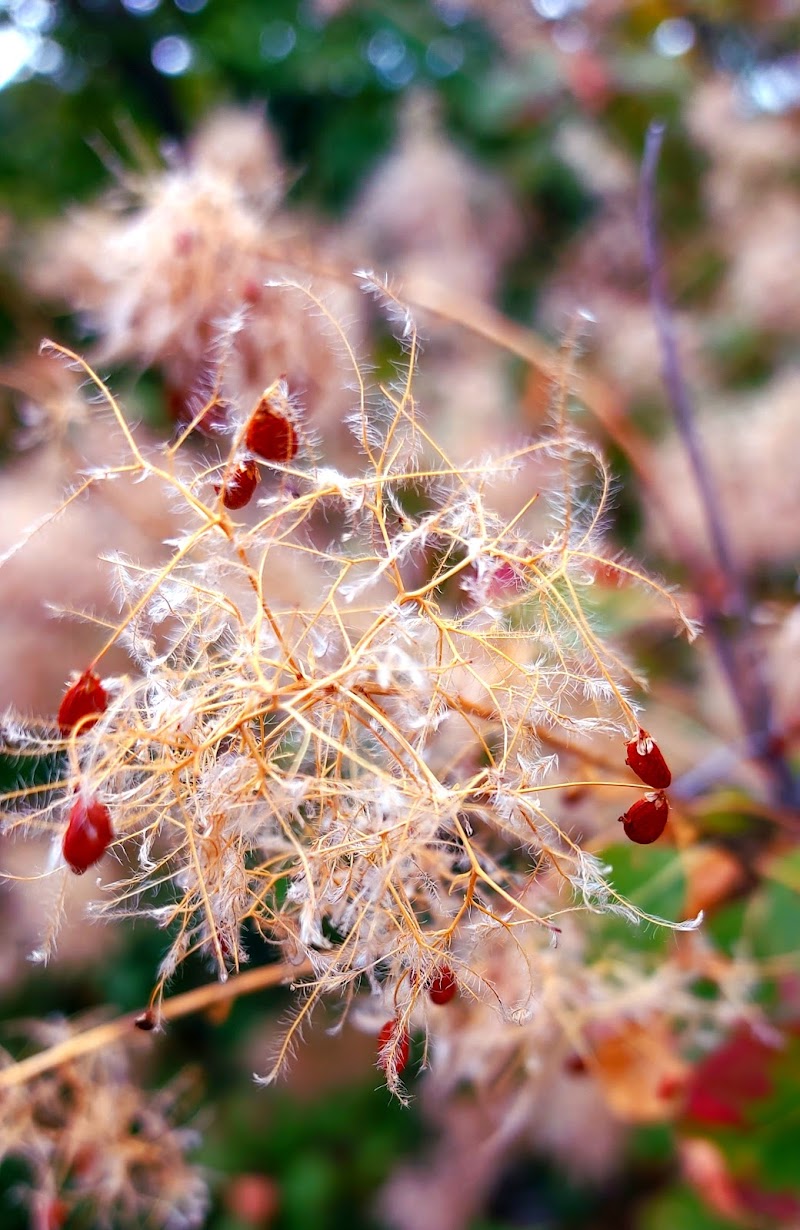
x,y
734,647
487,322
171,1009
677,391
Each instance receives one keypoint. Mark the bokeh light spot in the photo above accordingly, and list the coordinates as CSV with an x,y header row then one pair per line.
x,y
171,55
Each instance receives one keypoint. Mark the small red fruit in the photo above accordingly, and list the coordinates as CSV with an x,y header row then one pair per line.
x,y
239,485
88,836
442,987
403,1046
270,433
644,757
646,819
82,703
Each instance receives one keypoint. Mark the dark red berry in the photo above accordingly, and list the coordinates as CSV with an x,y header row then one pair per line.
x,y
82,703
644,757
442,987
646,819
88,836
239,484
386,1037
270,433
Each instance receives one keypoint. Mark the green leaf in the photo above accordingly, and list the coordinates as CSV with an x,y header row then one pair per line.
x,y
680,1209
653,881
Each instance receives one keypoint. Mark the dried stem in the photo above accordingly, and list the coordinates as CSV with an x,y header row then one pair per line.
x,y
170,1009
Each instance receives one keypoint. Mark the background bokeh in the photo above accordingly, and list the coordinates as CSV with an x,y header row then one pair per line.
x,y
489,149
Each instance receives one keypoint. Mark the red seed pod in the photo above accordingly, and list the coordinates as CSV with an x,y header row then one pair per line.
x,y
82,703
88,834
646,819
644,757
442,987
239,484
146,1021
271,434
403,1050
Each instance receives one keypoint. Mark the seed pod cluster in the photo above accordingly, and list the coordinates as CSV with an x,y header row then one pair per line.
x,y
646,819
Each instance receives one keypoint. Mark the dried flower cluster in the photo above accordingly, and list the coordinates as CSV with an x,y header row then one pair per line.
x,y
595,1037
344,716
173,263
92,1138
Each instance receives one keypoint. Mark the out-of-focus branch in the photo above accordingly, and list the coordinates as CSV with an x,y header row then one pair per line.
x,y
485,321
678,393
171,1009
736,652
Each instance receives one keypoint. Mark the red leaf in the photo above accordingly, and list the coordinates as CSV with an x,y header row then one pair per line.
x,y
775,1206
724,1083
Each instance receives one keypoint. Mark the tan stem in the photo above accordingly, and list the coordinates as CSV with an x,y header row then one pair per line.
x,y
177,1006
